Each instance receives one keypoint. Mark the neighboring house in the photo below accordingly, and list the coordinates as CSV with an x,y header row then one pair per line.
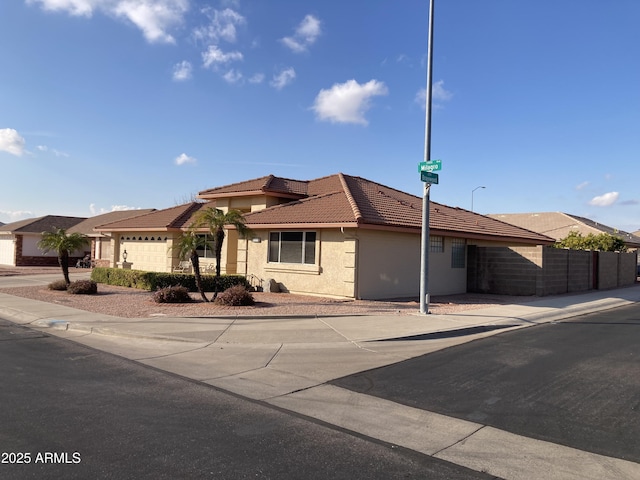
x,y
339,235
558,225
19,241
100,243
148,239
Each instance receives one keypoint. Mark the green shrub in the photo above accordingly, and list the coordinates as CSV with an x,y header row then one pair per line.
x,y
154,280
59,285
236,296
83,287
173,294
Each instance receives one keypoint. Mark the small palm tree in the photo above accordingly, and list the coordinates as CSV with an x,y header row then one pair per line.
x,y
59,241
187,246
215,221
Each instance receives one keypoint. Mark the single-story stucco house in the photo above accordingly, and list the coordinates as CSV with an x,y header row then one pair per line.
x,y
100,243
19,240
558,225
340,235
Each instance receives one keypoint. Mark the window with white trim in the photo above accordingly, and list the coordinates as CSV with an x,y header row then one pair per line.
x,y
292,247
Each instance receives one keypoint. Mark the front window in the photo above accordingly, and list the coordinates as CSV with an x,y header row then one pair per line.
x,y
205,249
292,247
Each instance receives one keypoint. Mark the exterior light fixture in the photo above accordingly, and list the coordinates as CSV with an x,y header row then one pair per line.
x,y
124,255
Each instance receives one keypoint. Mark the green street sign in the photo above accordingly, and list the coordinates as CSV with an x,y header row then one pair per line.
x,y
430,166
429,177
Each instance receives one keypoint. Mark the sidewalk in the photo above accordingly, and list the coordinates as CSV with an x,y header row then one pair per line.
x,y
286,361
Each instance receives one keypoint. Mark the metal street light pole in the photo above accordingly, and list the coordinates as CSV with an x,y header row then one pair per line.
x,y
472,195
424,244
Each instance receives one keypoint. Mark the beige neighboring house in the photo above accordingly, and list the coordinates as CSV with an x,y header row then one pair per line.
x,y
558,225
100,243
19,241
341,236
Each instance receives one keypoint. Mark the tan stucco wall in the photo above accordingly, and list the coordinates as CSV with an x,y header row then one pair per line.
x,y
247,204
443,279
332,275
149,255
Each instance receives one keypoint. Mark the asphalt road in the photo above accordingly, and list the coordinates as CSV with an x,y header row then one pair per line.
x,y
574,382
69,411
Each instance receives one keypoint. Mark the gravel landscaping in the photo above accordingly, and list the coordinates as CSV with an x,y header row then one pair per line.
x,y
133,303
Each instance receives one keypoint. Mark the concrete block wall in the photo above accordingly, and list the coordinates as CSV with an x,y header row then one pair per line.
x,y
546,270
607,270
580,270
553,275
511,271
627,268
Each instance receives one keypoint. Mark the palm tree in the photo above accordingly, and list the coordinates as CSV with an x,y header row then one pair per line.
x,y
59,241
215,221
187,246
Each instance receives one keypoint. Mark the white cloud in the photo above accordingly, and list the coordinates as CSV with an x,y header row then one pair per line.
x,y
11,141
214,56
438,94
257,78
605,200
284,78
57,153
13,216
347,102
183,159
232,76
74,7
223,25
114,208
582,185
182,71
155,18
305,35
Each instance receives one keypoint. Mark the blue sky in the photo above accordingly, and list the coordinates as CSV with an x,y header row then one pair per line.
x,y
112,104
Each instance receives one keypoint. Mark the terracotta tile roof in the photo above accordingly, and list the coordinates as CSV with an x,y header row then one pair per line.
x,y
41,224
328,209
354,201
173,218
262,185
337,200
86,226
558,225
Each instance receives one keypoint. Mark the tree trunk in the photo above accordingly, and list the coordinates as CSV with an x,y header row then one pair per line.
x,y
195,261
219,238
63,260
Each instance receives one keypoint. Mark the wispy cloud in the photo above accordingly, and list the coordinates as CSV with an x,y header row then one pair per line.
x,y
233,76
214,57
12,142
283,78
9,216
439,95
605,200
184,159
155,18
93,210
223,25
305,35
182,71
347,102
57,153
582,185
256,78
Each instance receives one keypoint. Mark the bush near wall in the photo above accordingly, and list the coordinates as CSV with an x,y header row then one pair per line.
x,y
154,280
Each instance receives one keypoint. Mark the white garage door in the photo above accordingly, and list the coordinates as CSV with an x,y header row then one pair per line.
x,y
7,254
